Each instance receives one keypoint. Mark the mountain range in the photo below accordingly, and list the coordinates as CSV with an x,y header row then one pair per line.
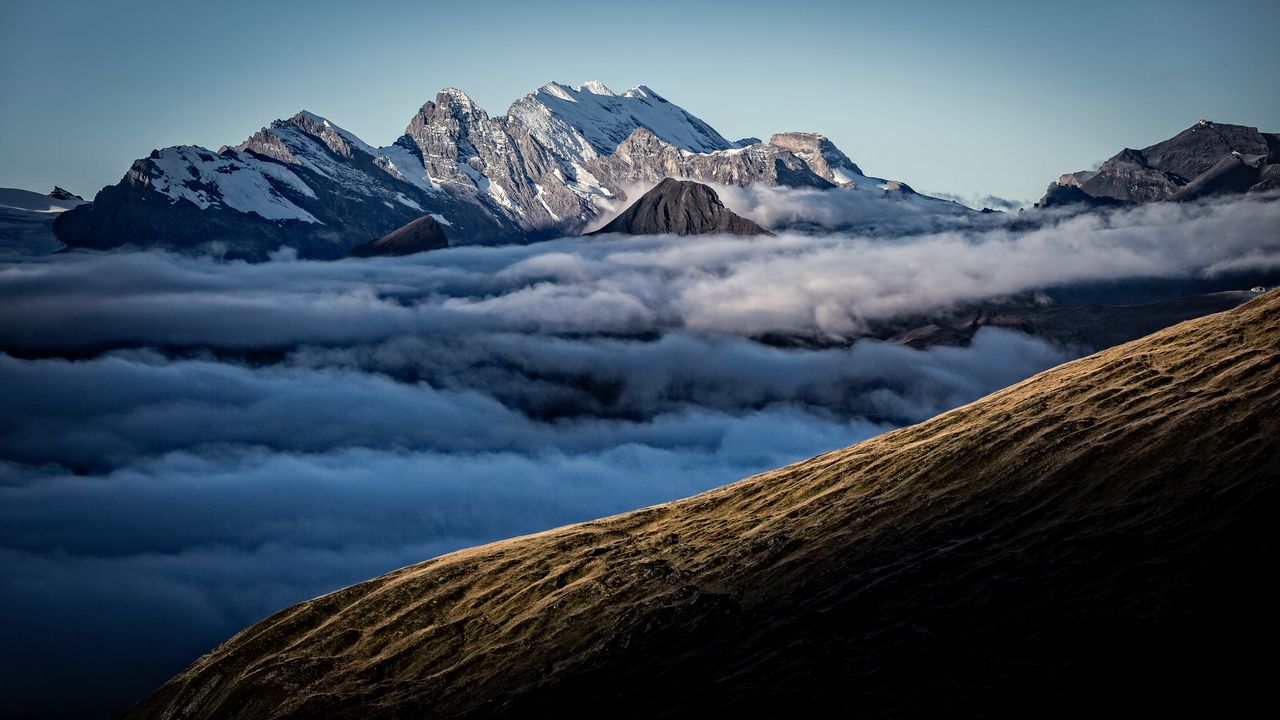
x,y
1096,536
559,159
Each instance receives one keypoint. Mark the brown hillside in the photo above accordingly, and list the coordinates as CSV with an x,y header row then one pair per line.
x,y
1098,538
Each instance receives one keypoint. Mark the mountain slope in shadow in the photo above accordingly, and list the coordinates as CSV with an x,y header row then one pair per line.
x,y
418,236
1099,537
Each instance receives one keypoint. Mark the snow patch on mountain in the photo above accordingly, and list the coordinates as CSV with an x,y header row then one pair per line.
x,y
487,187
584,184
542,199
234,180
407,202
404,164
844,176
499,195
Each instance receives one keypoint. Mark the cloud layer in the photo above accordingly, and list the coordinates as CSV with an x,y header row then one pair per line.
x,y
829,284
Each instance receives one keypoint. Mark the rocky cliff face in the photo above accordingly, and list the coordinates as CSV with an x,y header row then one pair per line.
x,y
680,207
558,159
1207,158
645,158
820,154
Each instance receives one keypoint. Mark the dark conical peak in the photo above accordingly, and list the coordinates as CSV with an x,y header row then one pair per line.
x,y
680,207
418,236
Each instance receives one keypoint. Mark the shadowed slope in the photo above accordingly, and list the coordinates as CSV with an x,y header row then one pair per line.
x,y
418,236
1099,536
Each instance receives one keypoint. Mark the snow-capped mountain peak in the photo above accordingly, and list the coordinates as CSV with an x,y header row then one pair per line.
x,y
595,87
643,91
556,90
589,121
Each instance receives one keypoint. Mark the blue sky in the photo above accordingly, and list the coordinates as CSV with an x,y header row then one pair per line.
x,y
967,98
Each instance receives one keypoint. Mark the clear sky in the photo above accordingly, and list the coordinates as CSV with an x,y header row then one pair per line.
x,y
961,97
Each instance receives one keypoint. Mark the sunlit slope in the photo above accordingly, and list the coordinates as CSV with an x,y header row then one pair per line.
x,y
1098,537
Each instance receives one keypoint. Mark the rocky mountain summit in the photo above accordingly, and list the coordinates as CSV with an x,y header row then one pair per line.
x,y
557,160
680,207
1095,536
1206,159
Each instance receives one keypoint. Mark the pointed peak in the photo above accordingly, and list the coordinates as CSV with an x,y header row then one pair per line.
x,y
339,140
643,91
454,95
308,116
595,87
558,90
453,102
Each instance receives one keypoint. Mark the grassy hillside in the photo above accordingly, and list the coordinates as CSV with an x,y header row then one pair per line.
x,y
1100,537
